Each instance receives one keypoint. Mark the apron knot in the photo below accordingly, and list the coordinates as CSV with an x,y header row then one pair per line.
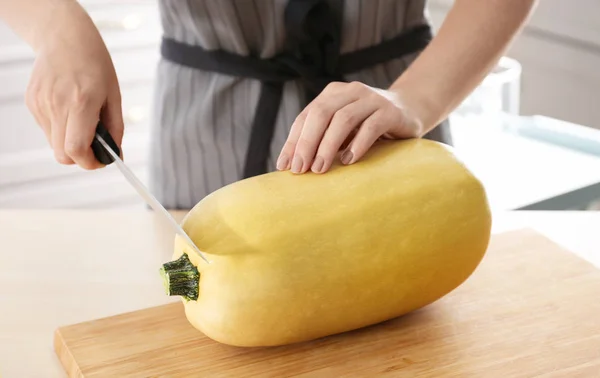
x,y
312,43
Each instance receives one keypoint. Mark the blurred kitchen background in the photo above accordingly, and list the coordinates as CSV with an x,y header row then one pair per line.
x,y
531,131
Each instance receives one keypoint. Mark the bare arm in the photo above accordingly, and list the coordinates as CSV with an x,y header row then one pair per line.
x,y
35,21
73,83
473,37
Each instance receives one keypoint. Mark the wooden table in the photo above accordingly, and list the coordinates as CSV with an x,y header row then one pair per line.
x,y
64,267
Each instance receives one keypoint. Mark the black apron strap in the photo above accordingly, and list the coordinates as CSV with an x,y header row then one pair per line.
x,y
263,128
311,56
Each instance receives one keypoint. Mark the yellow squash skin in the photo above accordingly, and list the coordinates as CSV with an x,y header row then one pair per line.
x,y
299,257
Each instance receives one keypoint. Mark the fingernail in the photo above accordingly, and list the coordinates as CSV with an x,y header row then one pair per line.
x,y
347,157
283,162
318,164
297,164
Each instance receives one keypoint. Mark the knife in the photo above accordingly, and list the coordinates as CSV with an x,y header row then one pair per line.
x,y
106,151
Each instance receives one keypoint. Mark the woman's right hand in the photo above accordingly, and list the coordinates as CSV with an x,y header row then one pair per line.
x,y
72,86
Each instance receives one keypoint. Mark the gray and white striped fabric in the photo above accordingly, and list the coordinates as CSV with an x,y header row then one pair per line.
x,y
202,120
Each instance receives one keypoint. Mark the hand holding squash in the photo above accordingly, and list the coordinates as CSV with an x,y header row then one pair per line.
x,y
352,114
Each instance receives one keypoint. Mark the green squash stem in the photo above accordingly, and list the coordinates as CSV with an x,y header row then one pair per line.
x,y
181,277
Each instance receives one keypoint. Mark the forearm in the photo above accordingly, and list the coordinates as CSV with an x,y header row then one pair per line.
x,y
37,21
473,37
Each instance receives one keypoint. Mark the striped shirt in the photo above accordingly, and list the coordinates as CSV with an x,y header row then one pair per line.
x,y
202,120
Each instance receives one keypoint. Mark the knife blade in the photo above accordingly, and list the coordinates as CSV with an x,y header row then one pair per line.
x,y
105,144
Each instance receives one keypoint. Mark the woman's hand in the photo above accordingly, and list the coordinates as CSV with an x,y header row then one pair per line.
x,y
72,86
350,116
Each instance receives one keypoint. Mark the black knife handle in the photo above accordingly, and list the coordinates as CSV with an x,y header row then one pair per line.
x,y
101,154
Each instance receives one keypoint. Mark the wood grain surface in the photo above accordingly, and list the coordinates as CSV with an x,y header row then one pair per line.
x,y
531,309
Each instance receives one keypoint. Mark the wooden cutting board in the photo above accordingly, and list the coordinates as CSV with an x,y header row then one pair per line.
x,y
531,309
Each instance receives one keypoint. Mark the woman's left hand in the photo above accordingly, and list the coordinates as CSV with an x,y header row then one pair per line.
x,y
351,115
